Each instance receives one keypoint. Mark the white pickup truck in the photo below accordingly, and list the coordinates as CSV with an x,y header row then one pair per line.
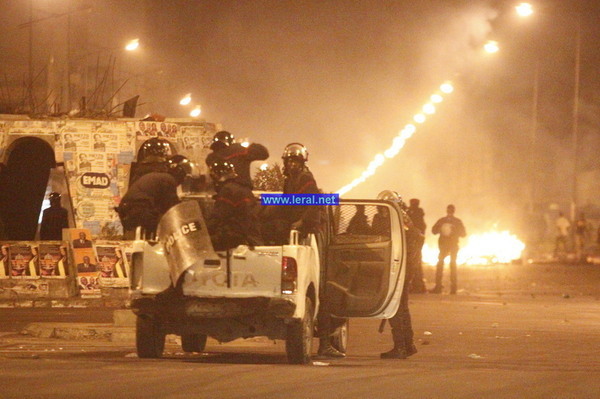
x,y
180,285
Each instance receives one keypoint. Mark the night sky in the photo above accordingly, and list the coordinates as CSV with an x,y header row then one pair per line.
x,y
344,77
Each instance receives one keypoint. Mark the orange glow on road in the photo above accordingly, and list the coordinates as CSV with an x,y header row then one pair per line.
x,y
479,249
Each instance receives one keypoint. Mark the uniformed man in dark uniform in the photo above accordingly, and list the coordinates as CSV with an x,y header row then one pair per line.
x,y
417,216
240,155
152,195
401,323
54,219
307,220
152,157
233,220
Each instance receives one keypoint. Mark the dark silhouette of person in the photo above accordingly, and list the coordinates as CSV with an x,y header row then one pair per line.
x,y
82,241
450,229
54,219
401,323
240,155
417,216
233,220
151,196
359,223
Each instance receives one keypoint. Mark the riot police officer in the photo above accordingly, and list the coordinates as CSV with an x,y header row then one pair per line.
x,y
233,220
401,323
152,157
239,155
152,195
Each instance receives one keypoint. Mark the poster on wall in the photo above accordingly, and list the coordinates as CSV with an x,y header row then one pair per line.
x,y
53,260
4,262
23,259
148,129
32,128
113,266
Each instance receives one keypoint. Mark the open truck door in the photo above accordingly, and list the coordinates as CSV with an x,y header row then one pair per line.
x,y
366,259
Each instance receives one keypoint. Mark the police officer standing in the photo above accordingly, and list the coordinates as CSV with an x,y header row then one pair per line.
x,y
401,323
54,219
451,229
239,155
152,195
417,216
233,220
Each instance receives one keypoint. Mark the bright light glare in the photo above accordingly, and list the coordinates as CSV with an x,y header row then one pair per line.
x,y
245,144
447,88
196,112
524,9
132,45
491,47
436,98
186,100
480,249
264,166
398,141
429,109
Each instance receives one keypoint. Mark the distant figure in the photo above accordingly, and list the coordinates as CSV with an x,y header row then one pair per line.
x,y
562,233
581,233
82,242
450,229
54,219
240,155
359,223
417,216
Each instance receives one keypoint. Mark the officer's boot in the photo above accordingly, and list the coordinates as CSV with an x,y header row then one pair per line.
x,y
328,351
398,351
409,345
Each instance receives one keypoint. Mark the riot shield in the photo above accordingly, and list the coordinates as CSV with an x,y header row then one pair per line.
x,y
185,239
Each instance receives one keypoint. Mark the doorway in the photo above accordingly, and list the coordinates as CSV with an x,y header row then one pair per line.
x,y
23,183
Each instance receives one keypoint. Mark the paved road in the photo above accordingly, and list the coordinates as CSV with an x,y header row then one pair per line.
x,y
514,331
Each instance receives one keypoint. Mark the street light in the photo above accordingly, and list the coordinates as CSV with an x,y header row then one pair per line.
x,y
132,45
196,112
524,9
186,100
491,47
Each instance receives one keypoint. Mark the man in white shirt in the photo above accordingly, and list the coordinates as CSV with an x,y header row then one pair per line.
x,y
562,232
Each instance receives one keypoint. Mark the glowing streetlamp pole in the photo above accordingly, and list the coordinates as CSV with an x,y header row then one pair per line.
x,y
525,10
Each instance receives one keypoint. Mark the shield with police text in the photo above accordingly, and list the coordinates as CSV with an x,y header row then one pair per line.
x,y
184,237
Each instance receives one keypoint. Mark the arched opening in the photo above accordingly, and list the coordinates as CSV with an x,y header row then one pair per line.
x,y
22,186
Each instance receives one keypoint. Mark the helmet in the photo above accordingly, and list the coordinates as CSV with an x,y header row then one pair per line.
x,y
393,196
54,196
179,167
295,150
156,150
221,139
221,170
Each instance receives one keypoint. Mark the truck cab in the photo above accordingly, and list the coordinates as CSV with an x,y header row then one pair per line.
x,y
180,285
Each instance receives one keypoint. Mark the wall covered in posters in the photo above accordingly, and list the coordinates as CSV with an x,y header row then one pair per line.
x,y
96,158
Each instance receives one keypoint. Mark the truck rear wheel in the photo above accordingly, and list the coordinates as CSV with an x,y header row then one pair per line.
x,y
193,342
298,343
149,338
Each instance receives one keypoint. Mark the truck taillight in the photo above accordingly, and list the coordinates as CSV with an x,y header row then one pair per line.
x,y
289,275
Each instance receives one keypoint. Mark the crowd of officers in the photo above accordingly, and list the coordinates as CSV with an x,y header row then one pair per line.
x,y
234,219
